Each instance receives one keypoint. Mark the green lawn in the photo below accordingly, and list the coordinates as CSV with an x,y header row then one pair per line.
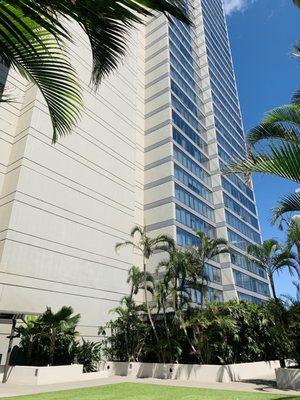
x,y
137,391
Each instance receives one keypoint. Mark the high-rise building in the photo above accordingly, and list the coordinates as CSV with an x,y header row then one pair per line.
x,y
193,127
149,150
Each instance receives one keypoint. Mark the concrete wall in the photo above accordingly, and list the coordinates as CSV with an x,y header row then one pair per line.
x,y
45,375
196,372
64,207
288,378
238,372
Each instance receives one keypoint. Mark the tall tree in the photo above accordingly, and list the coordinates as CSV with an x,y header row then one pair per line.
x,y
146,246
33,36
176,272
207,249
273,259
128,331
293,235
136,279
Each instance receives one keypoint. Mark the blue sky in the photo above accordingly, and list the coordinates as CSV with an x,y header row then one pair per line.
x,y
262,33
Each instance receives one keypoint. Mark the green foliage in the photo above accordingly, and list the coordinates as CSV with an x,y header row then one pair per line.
x,y
146,246
89,355
33,35
273,258
126,336
59,326
223,333
36,51
49,338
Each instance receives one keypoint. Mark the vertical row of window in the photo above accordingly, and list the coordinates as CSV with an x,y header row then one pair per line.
x,y
193,222
249,283
247,297
228,122
249,265
239,210
238,195
191,165
192,183
193,202
190,148
239,225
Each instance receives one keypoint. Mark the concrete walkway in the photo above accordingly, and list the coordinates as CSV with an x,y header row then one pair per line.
x,y
9,390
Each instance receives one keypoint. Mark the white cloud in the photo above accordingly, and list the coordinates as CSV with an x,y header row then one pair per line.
x,y
236,5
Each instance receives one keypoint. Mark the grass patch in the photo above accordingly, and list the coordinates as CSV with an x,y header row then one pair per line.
x,y
137,391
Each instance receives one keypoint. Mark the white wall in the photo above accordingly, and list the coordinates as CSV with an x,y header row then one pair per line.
x,y
64,207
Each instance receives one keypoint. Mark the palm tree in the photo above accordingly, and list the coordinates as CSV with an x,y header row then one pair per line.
x,y
293,234
176,269
136,278
147,246
56,325
280,130
273,258
29,332
293,301
130,327
33,34
207,249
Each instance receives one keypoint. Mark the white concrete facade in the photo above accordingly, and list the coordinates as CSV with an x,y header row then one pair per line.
x,y
64,207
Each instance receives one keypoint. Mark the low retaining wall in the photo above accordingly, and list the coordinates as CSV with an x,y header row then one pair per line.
x,y
184,372
288,378
257,370
196,372
27,375
200,373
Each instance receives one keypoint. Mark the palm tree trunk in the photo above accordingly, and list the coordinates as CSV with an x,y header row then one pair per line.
x,y
273,286
167,332
29,352
147,303
176,293
52,349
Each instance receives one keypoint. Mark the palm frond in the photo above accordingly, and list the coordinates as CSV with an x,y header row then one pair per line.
x,y
41,58
120,246
289,203
272,131
296,3
137,229
286,116
296,97
108,24
282,161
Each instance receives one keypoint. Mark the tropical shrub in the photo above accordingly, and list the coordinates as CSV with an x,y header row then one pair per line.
x,y
89,355
220,333
125,337
48,339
